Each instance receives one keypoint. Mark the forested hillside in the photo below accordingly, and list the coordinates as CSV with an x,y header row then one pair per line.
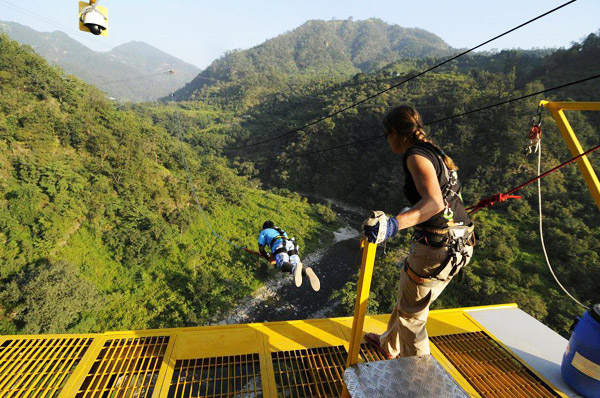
x,y
123,72
98,228
317,50
488,147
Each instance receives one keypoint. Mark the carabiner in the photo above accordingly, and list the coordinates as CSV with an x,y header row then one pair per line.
x,y
536,120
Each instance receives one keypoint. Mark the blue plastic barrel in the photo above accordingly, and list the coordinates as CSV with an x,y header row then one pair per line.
x,y
581,362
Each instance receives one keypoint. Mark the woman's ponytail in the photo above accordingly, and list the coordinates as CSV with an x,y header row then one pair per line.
x,y
407,122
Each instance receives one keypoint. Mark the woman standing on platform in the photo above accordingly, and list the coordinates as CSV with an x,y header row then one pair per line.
x,y
443,237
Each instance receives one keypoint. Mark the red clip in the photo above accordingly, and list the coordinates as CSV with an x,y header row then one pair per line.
x,y
492,200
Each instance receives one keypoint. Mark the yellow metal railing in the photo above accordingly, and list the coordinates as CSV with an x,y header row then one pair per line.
x,y
557,109
362,298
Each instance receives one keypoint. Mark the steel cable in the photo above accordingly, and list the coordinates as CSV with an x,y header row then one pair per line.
x,y
403,81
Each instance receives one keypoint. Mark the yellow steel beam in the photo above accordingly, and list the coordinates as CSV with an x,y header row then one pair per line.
x,y
557,109
571,106
360,308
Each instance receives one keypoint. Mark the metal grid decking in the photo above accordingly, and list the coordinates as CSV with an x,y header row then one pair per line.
x,y
314,372
489,368
232,376
369,354
126,368
38,367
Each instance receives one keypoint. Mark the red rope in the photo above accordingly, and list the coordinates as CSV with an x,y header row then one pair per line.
x,y
251,251
501,197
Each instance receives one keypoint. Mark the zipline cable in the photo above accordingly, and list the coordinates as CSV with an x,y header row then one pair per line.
x,y
195,195
403,81
539,184
446,118
193,187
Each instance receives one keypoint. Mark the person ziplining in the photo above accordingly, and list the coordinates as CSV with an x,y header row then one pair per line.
x,y
284,252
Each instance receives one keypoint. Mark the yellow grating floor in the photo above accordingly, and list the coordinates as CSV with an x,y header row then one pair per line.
x,y
370,354
233,376
313,372
126,368
489,368
38,367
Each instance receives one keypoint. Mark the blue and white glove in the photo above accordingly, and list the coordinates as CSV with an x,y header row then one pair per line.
x,y
380,227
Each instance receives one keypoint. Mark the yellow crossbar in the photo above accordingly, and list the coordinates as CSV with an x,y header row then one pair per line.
x,y
558,113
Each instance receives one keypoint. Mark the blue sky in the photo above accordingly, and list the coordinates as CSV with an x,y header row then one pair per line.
x,y
200,31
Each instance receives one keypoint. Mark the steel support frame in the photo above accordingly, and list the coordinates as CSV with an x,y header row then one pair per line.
x,y
557,110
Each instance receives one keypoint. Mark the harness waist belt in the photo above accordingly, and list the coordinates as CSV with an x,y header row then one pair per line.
x,y
440,237
275,239
432,230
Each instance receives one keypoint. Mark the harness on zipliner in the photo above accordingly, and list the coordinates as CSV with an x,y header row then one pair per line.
x,y
456,237
283,248
451,181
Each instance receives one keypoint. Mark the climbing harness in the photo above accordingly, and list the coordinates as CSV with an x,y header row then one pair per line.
x,y
280,236
451,182
273,242
455,239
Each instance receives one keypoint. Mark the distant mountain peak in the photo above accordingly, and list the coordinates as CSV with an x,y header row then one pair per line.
x,y
129,63
335,47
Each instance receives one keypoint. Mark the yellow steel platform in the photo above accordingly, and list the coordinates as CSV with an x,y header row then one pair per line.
x,y
278,359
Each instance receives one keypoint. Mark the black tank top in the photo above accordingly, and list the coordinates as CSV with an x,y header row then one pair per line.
x,y
431,153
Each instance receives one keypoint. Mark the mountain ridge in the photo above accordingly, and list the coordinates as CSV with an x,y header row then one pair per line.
x,y
317,47
126,63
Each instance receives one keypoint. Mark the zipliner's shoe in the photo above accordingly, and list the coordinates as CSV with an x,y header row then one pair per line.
x,y
315,283
373,339
298,275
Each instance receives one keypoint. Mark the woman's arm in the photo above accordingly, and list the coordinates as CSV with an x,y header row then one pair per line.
x,y
432,201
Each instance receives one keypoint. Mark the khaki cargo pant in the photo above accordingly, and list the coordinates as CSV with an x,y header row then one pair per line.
x,y
406,334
